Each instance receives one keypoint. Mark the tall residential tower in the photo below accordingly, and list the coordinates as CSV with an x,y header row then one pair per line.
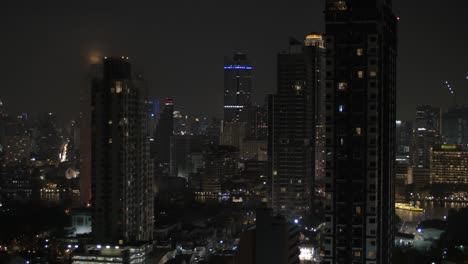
x,y
122,198
361,42
292,127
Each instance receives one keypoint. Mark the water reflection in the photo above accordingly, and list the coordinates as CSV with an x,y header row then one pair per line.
x,y
432,210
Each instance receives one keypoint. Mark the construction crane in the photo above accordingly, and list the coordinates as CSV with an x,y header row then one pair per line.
x,y
452,92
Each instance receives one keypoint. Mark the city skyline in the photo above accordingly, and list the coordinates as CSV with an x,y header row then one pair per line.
x,y
197,36
333,132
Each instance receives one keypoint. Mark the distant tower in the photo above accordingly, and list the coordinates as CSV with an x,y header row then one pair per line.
x,y
361,43
292,136
164,131
122,199
237,88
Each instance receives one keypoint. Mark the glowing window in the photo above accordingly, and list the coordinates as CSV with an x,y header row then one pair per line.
x,y
360,74
373,74
341,5
360,51
357,253
342,86
341,108
118,87
358,210
358,131
283,190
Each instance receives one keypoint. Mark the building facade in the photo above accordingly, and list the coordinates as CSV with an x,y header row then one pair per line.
x,y
122,183
449,165
293,128
237,88
361,43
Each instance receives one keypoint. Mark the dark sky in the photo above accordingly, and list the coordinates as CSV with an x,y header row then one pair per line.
x,y
180,45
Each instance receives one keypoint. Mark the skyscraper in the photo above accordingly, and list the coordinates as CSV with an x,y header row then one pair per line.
x,y
361,43
429,118
164,131
292,123
122,198
237,88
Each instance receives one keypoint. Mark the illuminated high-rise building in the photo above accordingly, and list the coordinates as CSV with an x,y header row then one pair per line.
x,y
292,127
449,165
361,43
122,183
237,88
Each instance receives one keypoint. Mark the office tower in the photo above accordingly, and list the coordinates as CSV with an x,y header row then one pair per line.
x,y
258,122
429,118
293,128
423,141
17,140
361,43
15,181
186,153
221,165
122,197
48,140
455,126
237,88
164,131
233,134
404,137
449,165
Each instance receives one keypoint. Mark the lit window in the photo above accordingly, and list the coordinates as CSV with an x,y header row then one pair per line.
x,y
360,74
373,74
371,254
341,108
341,5
283,190
341,141
359,51
342,86
118,87
358,210
358,131
357,253
110,140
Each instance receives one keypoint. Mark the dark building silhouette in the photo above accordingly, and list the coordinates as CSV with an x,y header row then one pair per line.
x,y
122,198
164,131
361,43
221,165
48,141
272,240
455,126
292,128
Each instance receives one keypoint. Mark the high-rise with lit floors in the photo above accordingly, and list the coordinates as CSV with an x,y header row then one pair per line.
x,y
237,88
122,198
361,43
292,127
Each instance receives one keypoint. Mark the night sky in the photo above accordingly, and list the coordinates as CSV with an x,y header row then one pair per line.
x,y
46,46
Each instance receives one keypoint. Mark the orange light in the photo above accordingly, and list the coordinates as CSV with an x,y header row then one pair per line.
x,y
314,36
